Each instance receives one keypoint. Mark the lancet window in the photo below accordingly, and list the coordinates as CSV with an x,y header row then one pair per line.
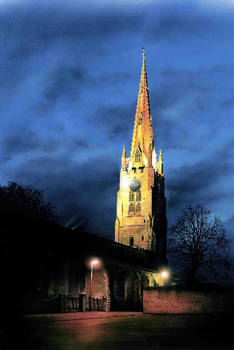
x,y
131,196
140,118
134,203
138,155
131,208
138,208
138,196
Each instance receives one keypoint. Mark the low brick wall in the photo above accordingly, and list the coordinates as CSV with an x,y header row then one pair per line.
x,y
165,301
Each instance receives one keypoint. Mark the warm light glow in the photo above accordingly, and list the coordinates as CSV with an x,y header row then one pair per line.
x,y
94,262
165,274
124,182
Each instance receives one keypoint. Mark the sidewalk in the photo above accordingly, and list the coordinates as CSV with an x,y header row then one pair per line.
x,y
77,316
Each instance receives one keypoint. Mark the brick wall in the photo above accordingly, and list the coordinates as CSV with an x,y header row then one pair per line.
x,y
188,302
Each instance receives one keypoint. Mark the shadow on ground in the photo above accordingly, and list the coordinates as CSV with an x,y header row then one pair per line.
x,y
125,332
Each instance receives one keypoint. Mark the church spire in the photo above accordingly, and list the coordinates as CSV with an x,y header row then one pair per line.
x,y
142,141
141,205
160,163
124,163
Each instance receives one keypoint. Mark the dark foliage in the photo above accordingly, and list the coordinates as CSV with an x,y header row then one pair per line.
x,y
27,201
198,244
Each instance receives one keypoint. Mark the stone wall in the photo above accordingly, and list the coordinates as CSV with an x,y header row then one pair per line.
x,y
166,301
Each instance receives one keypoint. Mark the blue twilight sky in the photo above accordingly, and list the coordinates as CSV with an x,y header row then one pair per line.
x,y
69,75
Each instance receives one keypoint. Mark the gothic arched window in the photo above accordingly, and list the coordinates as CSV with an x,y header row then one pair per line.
x,y
138,209
131,241
140,118
138,155
138,196
131,210
131,196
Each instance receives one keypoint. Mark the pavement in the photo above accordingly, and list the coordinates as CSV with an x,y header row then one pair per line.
x,y
118,331
77,316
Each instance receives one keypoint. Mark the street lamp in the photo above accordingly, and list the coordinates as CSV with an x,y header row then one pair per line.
x,y
92,263
164,275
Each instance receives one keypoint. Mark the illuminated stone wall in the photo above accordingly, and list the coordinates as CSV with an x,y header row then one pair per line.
x,y
163,301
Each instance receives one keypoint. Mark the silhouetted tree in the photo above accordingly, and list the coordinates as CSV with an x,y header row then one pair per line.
x,y
22,200
199,245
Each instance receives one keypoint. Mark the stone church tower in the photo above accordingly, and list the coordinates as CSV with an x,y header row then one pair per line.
x,y
141,204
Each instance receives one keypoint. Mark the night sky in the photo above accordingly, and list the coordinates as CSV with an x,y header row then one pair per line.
x,y
69,77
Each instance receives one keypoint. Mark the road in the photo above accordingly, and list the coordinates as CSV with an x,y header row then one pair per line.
x,y
120,331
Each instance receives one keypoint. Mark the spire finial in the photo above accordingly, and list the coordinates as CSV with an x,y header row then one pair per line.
x,y
143,55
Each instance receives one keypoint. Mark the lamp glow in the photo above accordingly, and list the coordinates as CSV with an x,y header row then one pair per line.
x,y
164,274
94,262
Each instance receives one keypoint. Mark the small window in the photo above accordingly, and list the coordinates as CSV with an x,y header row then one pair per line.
x,y
131,241
138,208
142,238
138,155
131,196
140,118
138,196
132,208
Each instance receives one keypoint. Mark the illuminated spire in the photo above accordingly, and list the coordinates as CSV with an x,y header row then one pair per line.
x,y
124,159
160,163
143,133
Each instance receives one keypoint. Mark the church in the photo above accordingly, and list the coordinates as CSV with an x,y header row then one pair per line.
x,y
74,271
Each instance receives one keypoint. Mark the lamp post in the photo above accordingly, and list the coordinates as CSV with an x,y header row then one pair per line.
x,y
92,263
164,275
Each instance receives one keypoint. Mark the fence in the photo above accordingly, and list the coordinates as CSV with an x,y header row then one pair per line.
x,y
82,303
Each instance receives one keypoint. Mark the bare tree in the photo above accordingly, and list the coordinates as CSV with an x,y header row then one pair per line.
x,y
25,201
199,244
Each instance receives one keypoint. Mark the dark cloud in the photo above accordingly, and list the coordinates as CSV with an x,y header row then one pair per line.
x,y
229,102
20,143
173,26
115,121
38,27
65,82
193,184
182,21
62,82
